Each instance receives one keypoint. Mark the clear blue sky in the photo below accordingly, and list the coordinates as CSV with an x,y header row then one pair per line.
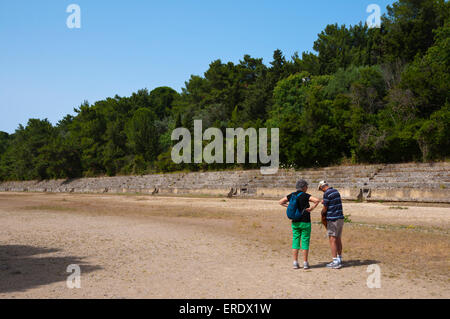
x,y
47,69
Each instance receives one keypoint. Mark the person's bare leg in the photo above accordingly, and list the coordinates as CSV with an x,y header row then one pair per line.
x,y
333,245
305,255
339,246
295,254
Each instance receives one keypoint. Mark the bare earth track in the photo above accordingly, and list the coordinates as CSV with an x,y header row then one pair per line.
x,y
131,246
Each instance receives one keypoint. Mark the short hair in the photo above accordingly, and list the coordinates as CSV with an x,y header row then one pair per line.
x,y
301,184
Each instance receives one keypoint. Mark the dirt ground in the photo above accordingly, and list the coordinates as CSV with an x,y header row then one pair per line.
x,y
134,246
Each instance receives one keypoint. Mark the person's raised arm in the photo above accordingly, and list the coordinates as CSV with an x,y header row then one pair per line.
x,y
284,202
315,202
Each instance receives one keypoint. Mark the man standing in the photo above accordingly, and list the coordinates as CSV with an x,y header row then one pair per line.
x,y
332,208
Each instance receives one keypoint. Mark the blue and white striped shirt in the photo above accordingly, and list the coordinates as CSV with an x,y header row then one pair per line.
x,y
332,200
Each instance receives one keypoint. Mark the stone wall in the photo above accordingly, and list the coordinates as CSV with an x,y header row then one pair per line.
x,y
429,182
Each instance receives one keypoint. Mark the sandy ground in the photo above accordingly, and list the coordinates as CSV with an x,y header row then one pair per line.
x,y
170,247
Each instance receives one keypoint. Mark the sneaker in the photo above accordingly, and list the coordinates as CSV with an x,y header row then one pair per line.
x,y
337,266
296,265
334,265
305,265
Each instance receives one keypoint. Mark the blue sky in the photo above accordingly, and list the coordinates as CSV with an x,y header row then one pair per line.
x,y
47,69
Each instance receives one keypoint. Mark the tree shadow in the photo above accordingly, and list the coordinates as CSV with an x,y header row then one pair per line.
x,y
349,263
23,267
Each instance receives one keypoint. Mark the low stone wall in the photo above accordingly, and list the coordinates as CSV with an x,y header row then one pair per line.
x,y
410,195
428,182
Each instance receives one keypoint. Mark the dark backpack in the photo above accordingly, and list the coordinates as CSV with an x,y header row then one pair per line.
x,y
292,211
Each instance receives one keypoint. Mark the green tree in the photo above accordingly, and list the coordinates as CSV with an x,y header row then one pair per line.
x,y
433,135
4,139
162,99
142,135
428,77
22,159
408,27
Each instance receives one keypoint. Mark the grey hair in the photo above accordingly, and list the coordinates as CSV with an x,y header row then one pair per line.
x,y
301,184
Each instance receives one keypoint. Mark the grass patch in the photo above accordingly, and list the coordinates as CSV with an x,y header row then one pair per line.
x,y
398,207
389,227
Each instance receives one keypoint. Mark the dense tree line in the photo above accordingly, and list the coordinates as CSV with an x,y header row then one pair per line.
x,y
365,95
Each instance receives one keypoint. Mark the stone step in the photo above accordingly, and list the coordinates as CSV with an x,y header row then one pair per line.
x,y
409,185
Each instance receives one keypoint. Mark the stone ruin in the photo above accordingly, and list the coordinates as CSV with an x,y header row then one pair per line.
x,y
416,182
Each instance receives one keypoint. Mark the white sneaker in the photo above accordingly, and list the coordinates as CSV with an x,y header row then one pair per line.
x,y
296,265
305,265
335,264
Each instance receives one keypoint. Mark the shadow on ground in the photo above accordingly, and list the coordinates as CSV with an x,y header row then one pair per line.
x,y
24,267
349,263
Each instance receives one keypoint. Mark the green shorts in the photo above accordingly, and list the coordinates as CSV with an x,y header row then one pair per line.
x,y
301,231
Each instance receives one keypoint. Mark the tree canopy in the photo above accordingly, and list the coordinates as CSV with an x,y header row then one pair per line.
x,y
364,95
